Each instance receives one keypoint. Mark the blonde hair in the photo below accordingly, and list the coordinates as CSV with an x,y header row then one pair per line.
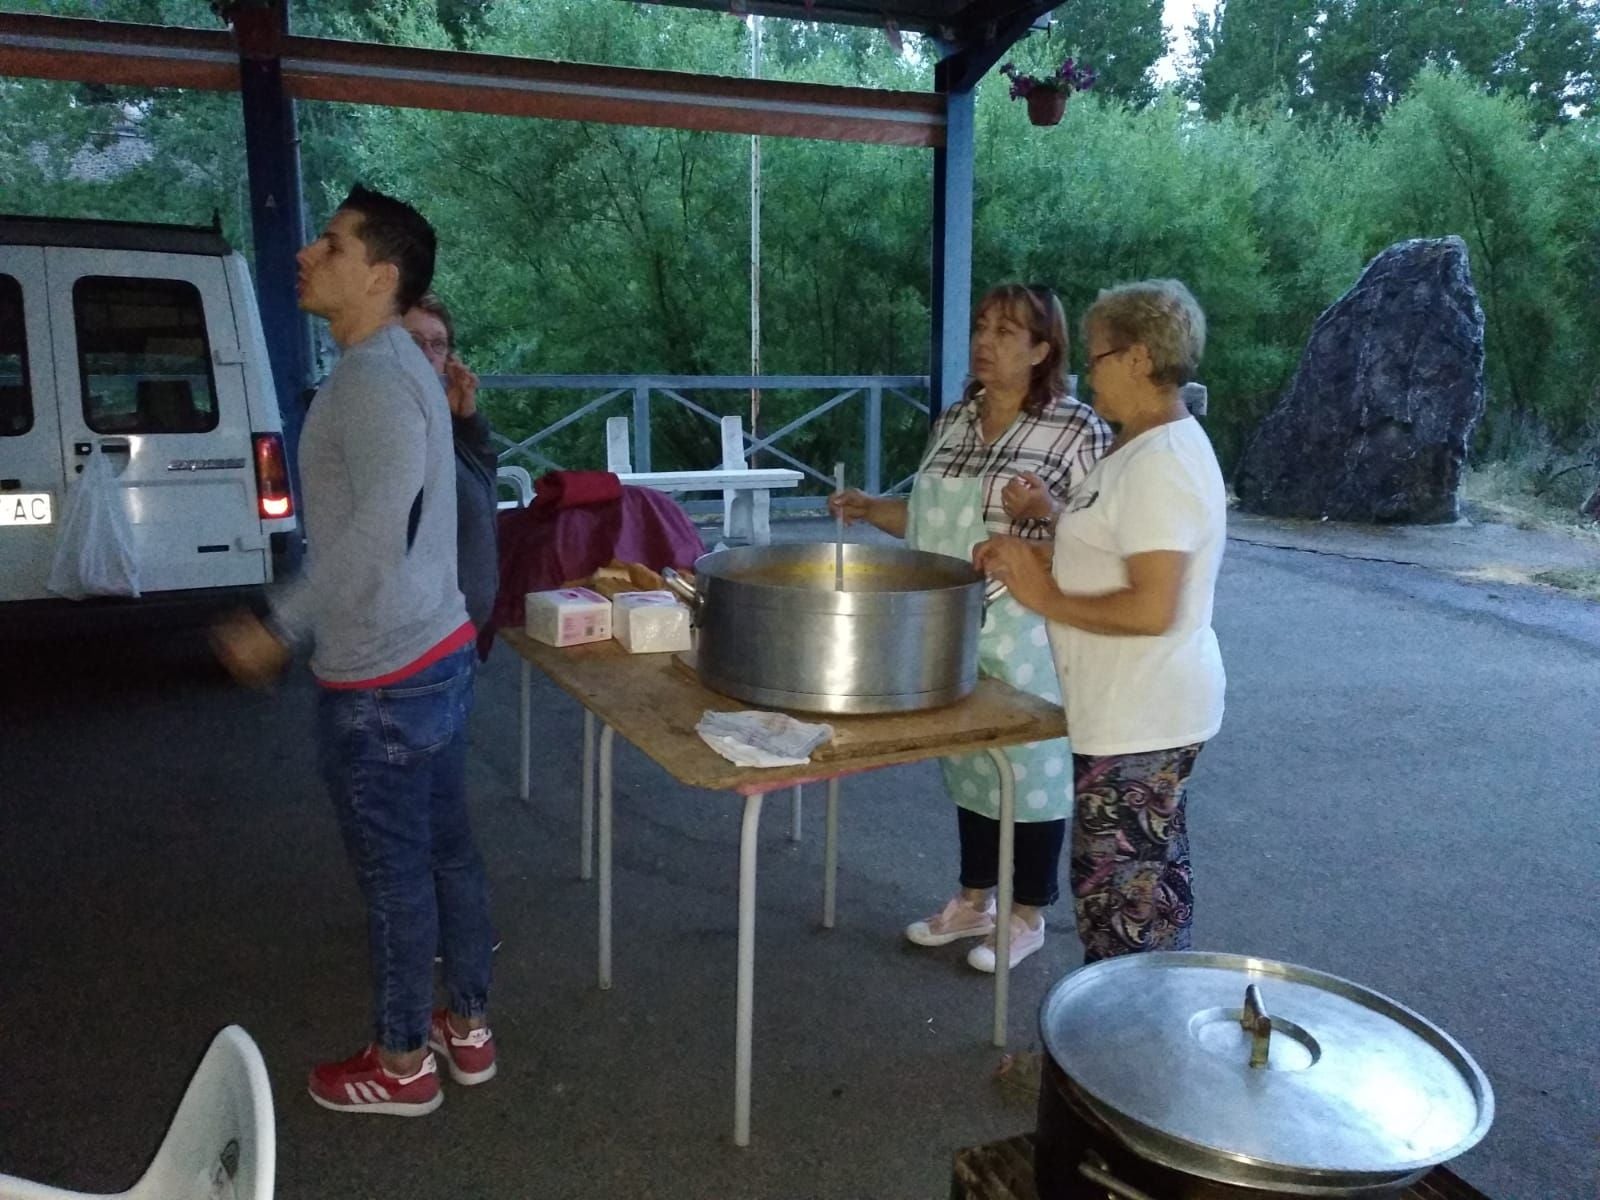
x,y
1161,315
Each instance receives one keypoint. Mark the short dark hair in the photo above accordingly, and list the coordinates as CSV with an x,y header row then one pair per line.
x,y
430,303
394,232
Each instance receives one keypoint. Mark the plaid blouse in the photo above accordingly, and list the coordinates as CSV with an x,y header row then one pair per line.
x,y
1059,446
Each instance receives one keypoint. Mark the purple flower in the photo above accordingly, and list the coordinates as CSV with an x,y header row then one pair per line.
x,y
1069,77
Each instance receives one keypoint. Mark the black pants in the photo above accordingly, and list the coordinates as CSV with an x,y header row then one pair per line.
x,y
1034,865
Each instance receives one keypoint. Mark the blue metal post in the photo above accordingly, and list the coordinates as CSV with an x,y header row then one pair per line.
x,y
272,157
952,249
874,464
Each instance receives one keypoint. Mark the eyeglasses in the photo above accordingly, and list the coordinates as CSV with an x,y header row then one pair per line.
x,y
438,346
1094,359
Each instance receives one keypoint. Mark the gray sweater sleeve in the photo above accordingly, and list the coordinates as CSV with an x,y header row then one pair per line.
x,y
378,431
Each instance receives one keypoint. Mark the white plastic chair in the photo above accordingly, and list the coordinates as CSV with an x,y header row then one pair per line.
x,y
519,479
221,1145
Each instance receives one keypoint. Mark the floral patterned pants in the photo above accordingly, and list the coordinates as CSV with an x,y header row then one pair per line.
x,y
1132,885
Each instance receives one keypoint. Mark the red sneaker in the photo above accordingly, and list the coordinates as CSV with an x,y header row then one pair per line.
x,y
470,1055
361,1085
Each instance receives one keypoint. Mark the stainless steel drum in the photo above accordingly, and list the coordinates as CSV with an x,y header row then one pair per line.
x,y
1227,1076
774,630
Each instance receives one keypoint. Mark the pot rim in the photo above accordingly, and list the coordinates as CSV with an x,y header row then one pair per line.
x,y
706,568
1173,1149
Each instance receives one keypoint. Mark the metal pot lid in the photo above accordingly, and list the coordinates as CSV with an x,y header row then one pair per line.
x,y
1345,1081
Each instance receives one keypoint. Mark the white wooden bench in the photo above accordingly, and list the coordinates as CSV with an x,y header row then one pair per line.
x,y
746,491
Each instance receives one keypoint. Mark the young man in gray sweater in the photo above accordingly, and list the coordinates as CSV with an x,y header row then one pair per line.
x,y
392,653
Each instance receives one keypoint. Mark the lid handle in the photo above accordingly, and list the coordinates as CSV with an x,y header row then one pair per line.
x,y
1257,1024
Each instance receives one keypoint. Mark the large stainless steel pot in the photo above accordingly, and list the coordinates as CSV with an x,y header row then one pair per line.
x,y
1224,1076
774,630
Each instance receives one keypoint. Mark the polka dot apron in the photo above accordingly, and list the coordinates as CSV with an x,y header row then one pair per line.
x,y
945,516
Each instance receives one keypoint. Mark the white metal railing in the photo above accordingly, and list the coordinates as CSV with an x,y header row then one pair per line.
x,y
639,395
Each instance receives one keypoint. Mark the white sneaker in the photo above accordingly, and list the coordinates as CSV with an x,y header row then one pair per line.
x,y
1024,941
956,920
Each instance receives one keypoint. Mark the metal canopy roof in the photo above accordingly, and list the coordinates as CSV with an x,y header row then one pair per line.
x,y
367,73
955,21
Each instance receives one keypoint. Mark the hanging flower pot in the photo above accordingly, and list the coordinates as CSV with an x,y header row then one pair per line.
x,y
1047,95
1046,106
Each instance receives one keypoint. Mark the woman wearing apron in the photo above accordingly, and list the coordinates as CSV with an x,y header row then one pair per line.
x,y
1001,461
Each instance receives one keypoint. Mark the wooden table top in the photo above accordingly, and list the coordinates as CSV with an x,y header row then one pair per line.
x,y
654,703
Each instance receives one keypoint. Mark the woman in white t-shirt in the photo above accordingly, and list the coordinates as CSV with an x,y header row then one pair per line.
x,y
1128,598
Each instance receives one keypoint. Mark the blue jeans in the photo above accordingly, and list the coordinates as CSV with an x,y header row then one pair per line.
x,y
394,760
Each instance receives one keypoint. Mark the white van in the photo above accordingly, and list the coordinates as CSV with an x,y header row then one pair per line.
x,y
142,342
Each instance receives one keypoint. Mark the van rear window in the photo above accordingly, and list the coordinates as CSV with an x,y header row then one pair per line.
x,y
16,398
143,356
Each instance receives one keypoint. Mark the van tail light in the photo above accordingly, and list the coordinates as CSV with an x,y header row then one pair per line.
x,y
272,478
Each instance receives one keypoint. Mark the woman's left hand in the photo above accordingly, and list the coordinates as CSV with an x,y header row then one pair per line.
x,y
1016,563
1026,498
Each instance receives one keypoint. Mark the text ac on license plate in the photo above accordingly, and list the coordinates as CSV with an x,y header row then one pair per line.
x,y
26,508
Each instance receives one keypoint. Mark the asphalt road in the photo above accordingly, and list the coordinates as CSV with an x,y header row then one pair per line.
x,y
1404,793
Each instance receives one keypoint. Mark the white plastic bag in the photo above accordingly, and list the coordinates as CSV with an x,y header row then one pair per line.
x,y
94,550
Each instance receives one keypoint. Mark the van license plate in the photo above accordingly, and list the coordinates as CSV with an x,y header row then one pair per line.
x,y
26,508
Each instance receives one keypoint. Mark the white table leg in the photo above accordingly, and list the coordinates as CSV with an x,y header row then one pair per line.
x,y
738,520
607,736
794,816
586,799
744,1004
830,857
526,715
1002,924
761,517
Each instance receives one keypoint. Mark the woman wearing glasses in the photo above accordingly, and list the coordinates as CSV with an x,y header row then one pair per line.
x,y
1129,604
477,561
1001,461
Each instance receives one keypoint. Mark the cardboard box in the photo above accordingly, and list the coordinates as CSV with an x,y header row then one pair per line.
x,y
568,617
650,622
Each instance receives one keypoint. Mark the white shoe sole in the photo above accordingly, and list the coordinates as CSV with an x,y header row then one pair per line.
x,y
381,1108
986,962
464,1078
919,934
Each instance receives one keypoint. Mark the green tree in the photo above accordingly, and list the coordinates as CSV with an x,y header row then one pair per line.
x,y
114,152
1248,51
1356,58
1449,159
1556,68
